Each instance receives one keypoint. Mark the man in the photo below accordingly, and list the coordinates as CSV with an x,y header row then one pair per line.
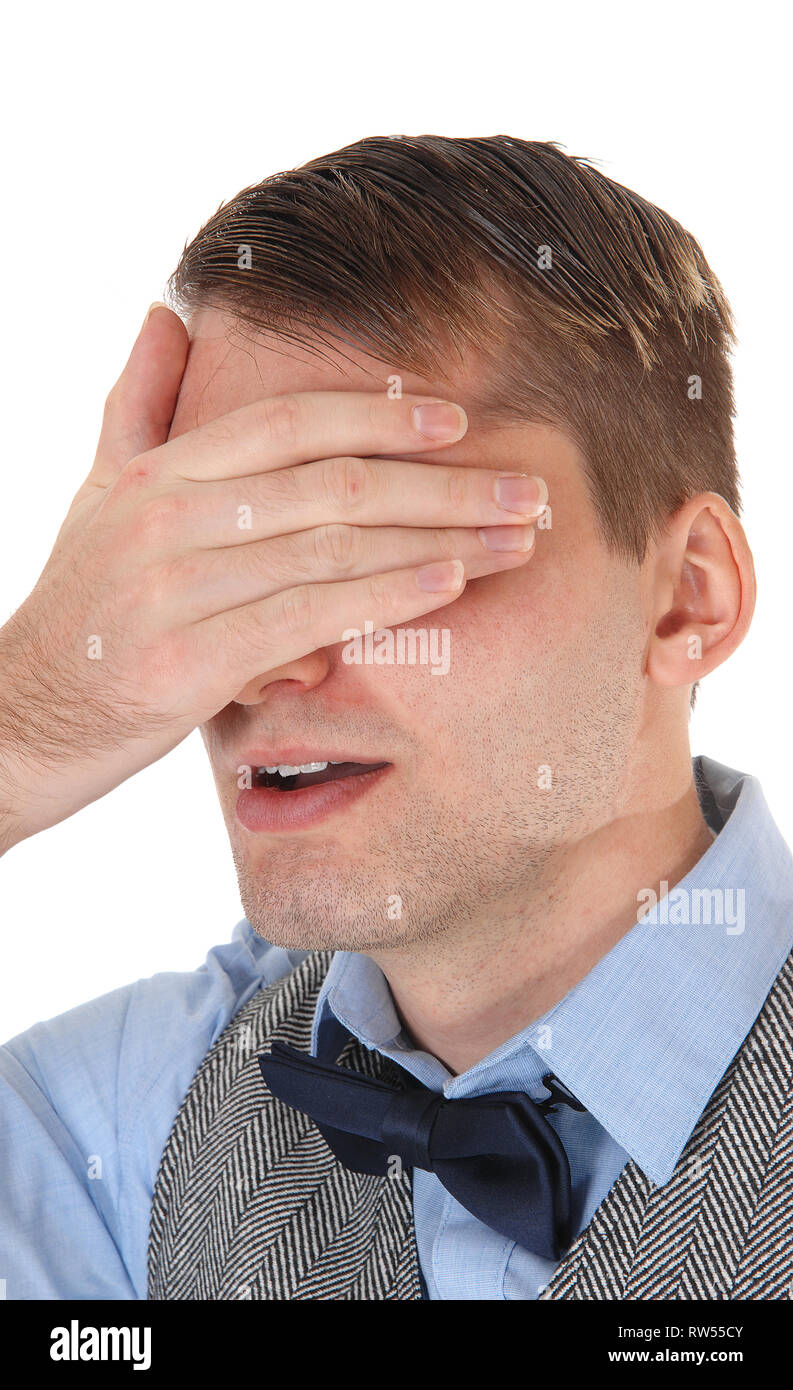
x,y
508,1016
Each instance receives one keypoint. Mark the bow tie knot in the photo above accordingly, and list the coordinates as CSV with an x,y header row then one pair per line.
x,y
407,1126
496,1153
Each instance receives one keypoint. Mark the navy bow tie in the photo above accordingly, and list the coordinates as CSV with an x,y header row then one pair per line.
x,y
496,1154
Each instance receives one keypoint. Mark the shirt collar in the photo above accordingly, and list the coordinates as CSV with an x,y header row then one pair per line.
x,y
644,1039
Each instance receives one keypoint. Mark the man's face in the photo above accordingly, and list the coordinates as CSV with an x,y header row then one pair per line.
x,y
526,745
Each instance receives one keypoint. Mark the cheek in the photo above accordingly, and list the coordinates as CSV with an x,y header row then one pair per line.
x,y
515,640
527,629
518,615
490,634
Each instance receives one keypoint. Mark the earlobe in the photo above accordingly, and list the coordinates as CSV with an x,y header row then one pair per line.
x,y
704,591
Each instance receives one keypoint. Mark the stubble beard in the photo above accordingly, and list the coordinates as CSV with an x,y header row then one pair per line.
x,y
415,890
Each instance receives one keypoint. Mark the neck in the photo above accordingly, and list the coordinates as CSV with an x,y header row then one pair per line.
x,y
464,994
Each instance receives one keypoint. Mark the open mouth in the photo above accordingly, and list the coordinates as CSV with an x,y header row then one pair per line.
x,y
286,778
288,798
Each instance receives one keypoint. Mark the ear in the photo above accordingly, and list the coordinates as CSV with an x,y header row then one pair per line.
x,y
702,592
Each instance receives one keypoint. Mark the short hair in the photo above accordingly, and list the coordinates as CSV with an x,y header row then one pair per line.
x,y
589,308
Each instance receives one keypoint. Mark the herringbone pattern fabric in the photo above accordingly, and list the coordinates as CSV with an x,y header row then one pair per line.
x,y
722,1227
250,1202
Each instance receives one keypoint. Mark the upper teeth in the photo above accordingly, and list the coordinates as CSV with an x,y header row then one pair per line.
x,y
286,770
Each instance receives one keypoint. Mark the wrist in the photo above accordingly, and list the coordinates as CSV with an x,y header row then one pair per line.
x,y
12,824
11,832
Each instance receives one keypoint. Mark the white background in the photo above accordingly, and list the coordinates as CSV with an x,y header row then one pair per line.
x,y
124,129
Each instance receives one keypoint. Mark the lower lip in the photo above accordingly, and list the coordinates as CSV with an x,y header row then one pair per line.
x,y
263,810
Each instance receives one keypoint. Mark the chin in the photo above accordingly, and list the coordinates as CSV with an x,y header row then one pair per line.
x,y
315,914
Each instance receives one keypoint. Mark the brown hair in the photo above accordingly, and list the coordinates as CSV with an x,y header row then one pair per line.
x,y
590,308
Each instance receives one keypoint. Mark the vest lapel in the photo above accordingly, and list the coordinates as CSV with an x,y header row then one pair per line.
x,y
250,1203
720,1228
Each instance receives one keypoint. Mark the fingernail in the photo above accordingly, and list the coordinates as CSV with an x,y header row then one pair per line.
x,y
440,420
506,537
158,304
521,493
444,575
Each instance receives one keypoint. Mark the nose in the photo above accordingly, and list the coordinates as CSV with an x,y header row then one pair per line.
x,y
308,671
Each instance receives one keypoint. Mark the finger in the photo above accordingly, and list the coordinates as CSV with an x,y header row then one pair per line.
x,y
267,634
220,580
361,492
377,492
279,431
140,406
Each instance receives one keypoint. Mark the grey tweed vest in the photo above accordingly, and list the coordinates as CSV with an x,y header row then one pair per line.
x,y
250,1203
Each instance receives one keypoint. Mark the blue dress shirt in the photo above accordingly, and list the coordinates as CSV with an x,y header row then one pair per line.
x,y
87,1099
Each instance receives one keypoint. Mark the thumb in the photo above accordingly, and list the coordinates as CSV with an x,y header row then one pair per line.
x,y
140,407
